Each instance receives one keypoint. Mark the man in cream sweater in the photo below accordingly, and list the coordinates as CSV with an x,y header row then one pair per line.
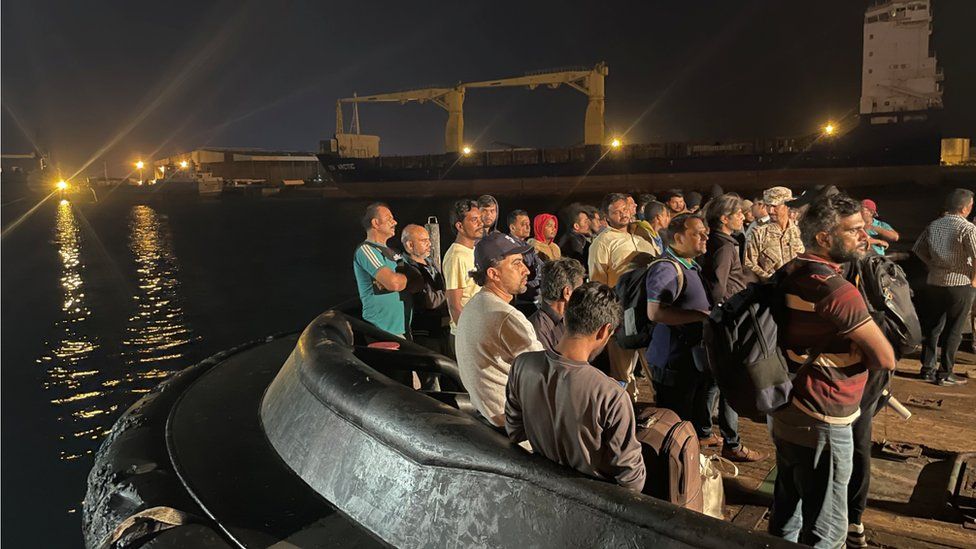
x,y
490,332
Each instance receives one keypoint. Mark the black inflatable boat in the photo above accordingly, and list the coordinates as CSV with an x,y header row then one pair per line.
x,y
309,441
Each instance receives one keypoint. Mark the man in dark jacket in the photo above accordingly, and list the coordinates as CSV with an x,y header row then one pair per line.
x,y
575,242
559,279
430,324
724,276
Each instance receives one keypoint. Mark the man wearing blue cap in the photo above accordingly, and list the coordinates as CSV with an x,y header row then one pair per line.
x,y
491,332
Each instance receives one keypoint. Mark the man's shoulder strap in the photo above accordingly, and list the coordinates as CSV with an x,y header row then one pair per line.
x,y
678,268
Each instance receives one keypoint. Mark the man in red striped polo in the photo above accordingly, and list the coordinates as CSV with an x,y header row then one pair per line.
x,y
830,342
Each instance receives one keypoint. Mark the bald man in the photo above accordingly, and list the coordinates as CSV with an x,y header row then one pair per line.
x,y
430,325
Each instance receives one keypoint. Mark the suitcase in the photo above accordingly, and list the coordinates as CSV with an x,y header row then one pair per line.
x,y
671,458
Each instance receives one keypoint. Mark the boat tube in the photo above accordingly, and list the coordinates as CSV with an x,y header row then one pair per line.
x,y
320,440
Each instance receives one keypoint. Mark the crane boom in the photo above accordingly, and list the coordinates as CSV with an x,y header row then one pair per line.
x,y
589,82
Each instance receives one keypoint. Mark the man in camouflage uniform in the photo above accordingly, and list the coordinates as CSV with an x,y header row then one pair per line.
x,y
776,243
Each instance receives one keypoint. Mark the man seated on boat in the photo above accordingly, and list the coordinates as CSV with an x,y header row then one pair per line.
x,y
575,242
560,278
568,410
375,267
491,333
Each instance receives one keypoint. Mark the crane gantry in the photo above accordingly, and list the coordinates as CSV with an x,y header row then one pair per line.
x,y
451,99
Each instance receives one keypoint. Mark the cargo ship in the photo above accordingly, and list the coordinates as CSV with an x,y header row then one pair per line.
x,y
897,125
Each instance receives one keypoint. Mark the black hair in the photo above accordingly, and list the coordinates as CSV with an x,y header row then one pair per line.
x,y
679,224
558,274
644,199
609,199
480,276
372,211
693,199
592,305
957,200
515,214
653,209
824,214
460,209
671,193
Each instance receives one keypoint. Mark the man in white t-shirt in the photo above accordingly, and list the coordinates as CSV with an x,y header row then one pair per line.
x,y
491,333
459,259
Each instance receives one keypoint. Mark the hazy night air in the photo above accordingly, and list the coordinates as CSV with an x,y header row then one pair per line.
x,y
134,80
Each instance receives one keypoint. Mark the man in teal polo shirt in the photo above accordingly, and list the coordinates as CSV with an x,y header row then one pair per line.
x,y
375,267
880,234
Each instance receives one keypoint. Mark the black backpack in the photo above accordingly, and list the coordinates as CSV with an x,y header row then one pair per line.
x,y
631,289
889,299
741,339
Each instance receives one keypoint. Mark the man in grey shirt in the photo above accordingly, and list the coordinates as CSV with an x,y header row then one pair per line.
x,y
568,410
558,281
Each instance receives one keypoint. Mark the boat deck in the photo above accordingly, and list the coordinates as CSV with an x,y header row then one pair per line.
x,y
907,505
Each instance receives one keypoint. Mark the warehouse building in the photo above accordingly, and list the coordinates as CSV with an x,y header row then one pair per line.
x,y
245,166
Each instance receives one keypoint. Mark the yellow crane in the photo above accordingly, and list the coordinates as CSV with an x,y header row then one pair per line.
x,y
587,81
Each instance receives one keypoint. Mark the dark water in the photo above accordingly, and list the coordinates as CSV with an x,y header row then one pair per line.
x,y
100,302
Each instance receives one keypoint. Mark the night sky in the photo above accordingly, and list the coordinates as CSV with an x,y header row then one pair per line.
x,y
114,80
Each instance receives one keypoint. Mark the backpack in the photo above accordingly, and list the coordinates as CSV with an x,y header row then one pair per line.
x,y
631,290
889,299
740,339
671,457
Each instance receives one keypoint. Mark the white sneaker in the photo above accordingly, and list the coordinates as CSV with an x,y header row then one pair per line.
x,y
856,536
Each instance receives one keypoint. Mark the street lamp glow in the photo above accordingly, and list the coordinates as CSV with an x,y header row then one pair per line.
x,y
829,129
184,164
162,169
466,150
62,185
140,165
615,144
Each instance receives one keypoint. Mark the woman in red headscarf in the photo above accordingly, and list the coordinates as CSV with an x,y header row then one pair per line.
x,y
544,227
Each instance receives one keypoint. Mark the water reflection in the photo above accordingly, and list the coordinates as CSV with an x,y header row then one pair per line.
x,y
155,335
72,379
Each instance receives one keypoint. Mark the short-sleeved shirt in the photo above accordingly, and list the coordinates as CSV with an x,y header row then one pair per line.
x,y
822,309
384,309
874,234
671,344
457,265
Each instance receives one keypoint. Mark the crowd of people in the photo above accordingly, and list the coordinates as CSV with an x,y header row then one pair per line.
x,y
527,312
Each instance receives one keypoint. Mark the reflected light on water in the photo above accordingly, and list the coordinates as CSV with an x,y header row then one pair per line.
x,y
70,378
155,335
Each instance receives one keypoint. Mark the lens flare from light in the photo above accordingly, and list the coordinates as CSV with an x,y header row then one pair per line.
x,y
62,185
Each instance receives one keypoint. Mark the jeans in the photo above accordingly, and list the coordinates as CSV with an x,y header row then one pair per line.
x,y
946,308
728,419
813,461
871,402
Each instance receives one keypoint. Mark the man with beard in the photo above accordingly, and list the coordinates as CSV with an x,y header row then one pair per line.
x,y
613,253
491,333
488,207
830,342
575,242
459,259
774,244
568,410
